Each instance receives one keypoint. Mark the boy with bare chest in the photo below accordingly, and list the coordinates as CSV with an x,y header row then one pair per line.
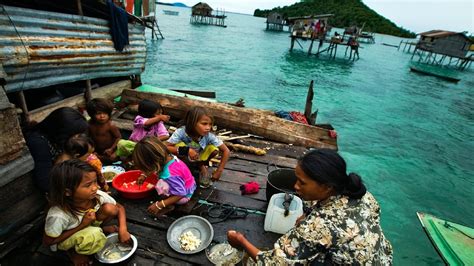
x,y
101,129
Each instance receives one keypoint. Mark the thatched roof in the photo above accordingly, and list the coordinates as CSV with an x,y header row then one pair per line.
x,y
202,6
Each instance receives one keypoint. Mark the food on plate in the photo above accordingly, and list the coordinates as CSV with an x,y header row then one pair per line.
x,y
115,251
224,254
109,176
189,241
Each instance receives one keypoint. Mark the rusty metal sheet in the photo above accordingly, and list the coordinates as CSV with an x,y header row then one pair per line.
x,y
39,49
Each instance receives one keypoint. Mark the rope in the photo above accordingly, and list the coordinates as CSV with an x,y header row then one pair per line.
x,y
223,212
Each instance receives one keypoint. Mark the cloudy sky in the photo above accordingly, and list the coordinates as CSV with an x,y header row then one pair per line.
x,y
415,15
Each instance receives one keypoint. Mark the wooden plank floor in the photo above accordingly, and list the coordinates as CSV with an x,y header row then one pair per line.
x,y
153,247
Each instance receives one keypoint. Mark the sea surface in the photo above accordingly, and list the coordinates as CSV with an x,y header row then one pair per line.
x,y
411,137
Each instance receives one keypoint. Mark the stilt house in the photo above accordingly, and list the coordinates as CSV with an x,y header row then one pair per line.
x,y
275,21
201,13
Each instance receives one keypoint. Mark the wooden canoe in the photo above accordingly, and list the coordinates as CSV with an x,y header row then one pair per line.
x,y
424,72
253,121
454,242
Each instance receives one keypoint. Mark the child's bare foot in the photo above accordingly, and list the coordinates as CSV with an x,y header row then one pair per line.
x,y
109,229
79,259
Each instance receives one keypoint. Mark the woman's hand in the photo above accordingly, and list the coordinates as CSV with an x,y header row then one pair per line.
x,y
193,155
217,174
235,238
89,217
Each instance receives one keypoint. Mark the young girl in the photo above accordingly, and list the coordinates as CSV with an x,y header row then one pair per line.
x,y
101,129
176,185
149,122
196,141
81,147
77,209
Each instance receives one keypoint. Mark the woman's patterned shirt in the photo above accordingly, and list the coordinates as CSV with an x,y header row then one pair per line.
x,y
338,230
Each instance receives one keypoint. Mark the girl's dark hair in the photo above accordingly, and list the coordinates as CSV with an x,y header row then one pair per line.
x,y
148,109
78,145
66,177
327,167
61,124
192,117
99,105
150,154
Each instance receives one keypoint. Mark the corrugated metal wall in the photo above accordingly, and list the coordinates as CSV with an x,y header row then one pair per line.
x,y
39,49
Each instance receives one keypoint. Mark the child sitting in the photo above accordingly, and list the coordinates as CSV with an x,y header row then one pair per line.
x,y
176,185
196,141
104,134
80,147
149,122
77,209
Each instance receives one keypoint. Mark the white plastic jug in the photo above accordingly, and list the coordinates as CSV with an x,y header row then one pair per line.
x,y
275,219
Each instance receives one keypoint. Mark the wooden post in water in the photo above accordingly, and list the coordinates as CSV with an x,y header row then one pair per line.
x,y
292,43
311,46
311,117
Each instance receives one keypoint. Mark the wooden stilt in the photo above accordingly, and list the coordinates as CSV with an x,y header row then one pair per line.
x,y
309,105
87,92
23,106
292,43
310,47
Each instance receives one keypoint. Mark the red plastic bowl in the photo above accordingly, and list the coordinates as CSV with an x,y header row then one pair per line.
x,y
130,176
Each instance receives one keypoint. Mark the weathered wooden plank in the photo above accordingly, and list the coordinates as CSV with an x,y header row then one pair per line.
x,y
246,119
16,190
240,178
235,189
251,226
279,161
21,213
224,197
275,148
155,242
109,91
250,167
21,235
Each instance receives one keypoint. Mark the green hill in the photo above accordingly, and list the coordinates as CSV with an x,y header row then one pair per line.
x,y
346,13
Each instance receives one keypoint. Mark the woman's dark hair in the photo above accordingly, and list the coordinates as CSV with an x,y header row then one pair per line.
x,y
78,145
148,109
61,124
327,167
99,105
192,117
66,177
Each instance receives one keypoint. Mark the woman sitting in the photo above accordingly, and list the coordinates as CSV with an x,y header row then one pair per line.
x,y
343,227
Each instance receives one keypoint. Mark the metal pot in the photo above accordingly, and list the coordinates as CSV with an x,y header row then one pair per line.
x,y
280,181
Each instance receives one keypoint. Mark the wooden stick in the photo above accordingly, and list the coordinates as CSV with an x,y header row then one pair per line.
x,y
309,104
245,148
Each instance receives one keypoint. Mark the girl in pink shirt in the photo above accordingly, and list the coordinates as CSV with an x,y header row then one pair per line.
x,y
149,122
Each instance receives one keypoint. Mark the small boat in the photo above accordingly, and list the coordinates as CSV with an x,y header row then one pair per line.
x,y
171,12
454,242
424,72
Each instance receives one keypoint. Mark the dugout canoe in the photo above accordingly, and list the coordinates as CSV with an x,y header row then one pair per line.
x,y
253,121
454,242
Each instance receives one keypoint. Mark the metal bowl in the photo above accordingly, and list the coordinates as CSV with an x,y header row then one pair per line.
x,y
199,226
223,254
111,239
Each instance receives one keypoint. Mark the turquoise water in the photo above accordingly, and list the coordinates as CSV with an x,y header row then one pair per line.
x,y
411,137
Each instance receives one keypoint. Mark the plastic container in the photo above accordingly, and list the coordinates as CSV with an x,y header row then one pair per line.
x,y
275,219
131,176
